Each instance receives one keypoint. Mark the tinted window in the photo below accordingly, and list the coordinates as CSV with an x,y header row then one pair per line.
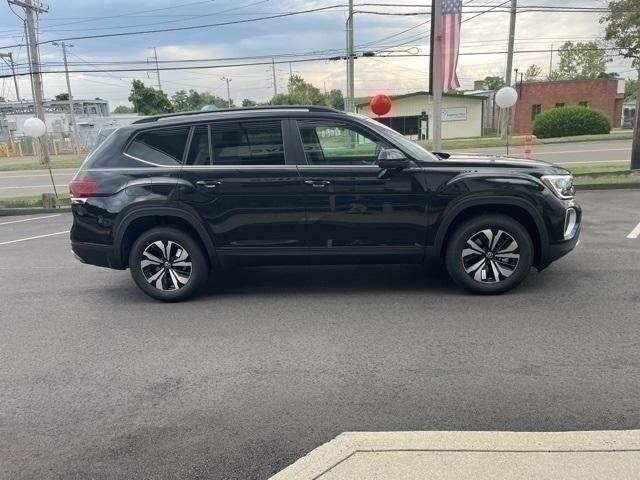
x,y
164,146
199,153
335,143
247,143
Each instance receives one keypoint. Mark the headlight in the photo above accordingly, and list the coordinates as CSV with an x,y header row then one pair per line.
x,y
560,185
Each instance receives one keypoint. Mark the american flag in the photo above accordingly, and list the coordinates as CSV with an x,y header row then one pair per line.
x,y
451,16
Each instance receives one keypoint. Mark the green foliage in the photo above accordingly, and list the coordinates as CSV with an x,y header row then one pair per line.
x,y
248,103
193,100
532,72
630,89
493,83
567,121
123,109
580,61
300,92
623,28
62,97
148,100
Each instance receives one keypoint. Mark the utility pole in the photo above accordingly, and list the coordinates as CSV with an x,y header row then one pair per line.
x,y
12,65
635,146
228,80
275,80
436,75
349,104
30,7
551,60
72,112
155,55
506,113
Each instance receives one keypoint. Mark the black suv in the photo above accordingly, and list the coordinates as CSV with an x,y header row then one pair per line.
x,y
175,197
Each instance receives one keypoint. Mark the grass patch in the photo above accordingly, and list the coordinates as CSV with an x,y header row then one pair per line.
x,y
598,170
31,201
606,180
32,163
482,142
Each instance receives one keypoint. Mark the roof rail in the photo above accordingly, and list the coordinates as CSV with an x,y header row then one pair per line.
x,y
306,108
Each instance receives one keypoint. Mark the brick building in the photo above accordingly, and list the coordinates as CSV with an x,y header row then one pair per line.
x,y
535,97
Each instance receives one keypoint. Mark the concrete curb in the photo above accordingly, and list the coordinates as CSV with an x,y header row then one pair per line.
x,y
462,455
7,212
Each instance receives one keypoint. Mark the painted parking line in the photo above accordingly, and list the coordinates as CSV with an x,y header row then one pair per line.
x,y
30,219
33,238
70,174
635,233
25,186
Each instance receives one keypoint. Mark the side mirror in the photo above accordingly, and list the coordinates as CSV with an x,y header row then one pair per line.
x,y
393,158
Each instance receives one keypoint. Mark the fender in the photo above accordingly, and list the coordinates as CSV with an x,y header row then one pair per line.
x,y
451,213
164,211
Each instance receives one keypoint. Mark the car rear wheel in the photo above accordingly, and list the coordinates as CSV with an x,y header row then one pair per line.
x,y
489,254
168,264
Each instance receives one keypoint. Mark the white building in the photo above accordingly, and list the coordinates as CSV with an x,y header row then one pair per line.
x,y
462,115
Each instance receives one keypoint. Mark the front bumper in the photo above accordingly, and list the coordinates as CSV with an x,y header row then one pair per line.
x,y
559,250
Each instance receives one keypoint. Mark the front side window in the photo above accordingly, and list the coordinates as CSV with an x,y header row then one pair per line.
x,y
335,143
161,146
247,143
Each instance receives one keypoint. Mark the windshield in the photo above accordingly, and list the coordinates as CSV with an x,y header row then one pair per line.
x,y
415,150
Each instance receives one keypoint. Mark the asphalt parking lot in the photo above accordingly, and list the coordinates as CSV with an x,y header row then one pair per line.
x,y
99,381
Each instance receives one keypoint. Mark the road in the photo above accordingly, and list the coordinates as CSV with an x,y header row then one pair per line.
x,y
99,381
16,184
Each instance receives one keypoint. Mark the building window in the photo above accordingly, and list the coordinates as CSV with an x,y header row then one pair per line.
x,y
583,104
535,110
559,105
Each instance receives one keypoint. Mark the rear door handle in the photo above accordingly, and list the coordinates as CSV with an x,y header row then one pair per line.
x,y
208,183
317,183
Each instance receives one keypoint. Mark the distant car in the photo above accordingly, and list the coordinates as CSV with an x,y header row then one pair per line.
x,y
172,198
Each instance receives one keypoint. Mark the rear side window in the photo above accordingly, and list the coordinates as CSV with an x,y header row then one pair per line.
x,y
162,146
247,143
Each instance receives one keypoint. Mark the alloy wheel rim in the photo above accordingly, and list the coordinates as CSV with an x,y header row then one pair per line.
x,y
490,256
166,265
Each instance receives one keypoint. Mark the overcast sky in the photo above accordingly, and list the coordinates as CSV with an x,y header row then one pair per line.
x,y
300,34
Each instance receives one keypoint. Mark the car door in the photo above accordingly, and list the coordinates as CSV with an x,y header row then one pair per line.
x,y
239,178
352,205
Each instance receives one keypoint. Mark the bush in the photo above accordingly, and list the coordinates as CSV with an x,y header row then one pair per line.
x,y
569,121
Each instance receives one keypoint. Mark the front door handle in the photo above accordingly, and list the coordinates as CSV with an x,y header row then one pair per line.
x,y
208,183
317,183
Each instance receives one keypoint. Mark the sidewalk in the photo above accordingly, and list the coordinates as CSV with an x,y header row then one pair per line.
x,y
471,456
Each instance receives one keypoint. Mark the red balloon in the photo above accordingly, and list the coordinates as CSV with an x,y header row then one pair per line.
x,y
380,104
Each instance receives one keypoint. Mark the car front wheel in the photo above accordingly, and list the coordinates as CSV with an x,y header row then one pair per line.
x,y
168,264
489,254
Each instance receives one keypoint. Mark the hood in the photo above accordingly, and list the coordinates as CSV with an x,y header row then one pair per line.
x,y
499,161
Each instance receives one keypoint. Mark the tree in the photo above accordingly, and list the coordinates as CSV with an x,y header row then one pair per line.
x,y
580,61
123,109
180,101
148,100
532,72
335,99
248,103
62,97
493,83
623,30
630,89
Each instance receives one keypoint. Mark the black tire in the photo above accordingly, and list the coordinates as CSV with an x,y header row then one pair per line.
x,y
501,270
172,270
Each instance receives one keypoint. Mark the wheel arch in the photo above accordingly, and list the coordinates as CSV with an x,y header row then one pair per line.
x,y
518,209
138,221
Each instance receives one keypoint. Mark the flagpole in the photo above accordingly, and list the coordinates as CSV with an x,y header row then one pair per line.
x,y
436,76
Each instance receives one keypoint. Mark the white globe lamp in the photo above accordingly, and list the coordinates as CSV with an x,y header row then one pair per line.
x,y
34,127
506,97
